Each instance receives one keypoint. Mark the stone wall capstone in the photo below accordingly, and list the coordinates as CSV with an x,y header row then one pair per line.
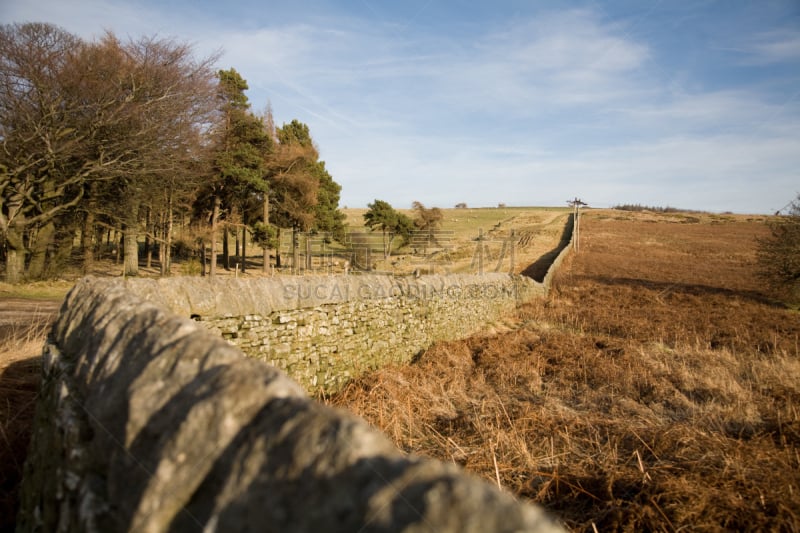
x,y
148,422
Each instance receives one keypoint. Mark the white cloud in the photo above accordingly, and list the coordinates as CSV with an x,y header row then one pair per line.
x,y
560,59
715,112
778,46
572,42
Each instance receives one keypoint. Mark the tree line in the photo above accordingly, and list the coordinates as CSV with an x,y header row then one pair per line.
x,y
136,136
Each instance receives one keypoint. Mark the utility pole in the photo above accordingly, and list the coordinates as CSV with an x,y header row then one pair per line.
x,y
576,205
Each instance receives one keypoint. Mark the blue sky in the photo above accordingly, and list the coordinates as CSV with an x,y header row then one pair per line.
x,y
692,104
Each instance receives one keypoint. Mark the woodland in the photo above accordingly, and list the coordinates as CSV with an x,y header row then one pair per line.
x,y
109,144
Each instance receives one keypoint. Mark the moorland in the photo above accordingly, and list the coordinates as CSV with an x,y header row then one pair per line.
x,y
656,388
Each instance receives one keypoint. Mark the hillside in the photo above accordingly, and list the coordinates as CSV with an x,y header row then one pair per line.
x,y
536,232
656,389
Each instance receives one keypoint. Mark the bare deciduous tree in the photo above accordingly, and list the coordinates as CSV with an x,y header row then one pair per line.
x,y
105,117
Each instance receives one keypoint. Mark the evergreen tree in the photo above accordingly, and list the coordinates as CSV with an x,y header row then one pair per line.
x,y
306,196
327,215
293,181
381,215
240,160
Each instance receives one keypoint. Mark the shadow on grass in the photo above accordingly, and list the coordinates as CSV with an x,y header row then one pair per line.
x,y
538,270
693,289
19,387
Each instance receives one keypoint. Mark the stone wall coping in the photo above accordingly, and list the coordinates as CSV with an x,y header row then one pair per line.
x,y
225,296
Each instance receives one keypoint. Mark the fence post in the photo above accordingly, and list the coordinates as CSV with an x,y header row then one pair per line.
x,y
480,251
511,251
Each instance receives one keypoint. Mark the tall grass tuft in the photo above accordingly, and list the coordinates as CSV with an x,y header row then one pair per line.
x,y
20,375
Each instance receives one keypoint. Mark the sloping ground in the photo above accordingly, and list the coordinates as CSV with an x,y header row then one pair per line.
x,y
658,388
537,231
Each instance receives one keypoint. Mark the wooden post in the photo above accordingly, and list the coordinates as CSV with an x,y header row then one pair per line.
x,y
576,204
480,251
511,251
244,248
295,252
309,263
214,229
575,226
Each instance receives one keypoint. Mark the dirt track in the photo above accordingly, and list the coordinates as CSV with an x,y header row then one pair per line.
x,y
19,316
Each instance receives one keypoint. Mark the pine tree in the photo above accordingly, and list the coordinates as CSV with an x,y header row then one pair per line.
x,y
240,160
381,215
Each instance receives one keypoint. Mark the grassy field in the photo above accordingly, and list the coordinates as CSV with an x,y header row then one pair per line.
x,y
656,389
537,231
465,222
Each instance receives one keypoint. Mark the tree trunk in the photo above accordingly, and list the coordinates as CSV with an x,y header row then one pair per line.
x,y
148,240
62,252
161,258
166,265
278,250
236,256
266,225
90,233
15,265
131,264
87,247
214,230
15,255
226,257
244,248
40,245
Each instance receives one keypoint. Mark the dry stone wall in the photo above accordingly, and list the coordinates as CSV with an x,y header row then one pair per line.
x,y
148,422
325,330
565,246
149,419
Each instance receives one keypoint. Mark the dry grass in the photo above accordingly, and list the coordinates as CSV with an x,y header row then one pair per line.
x,y
656,389
20,374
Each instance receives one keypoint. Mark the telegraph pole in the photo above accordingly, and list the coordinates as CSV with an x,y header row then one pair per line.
x,y
576,205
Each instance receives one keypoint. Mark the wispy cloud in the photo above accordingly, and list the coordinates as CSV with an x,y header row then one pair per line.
x,y
418,112
777,46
